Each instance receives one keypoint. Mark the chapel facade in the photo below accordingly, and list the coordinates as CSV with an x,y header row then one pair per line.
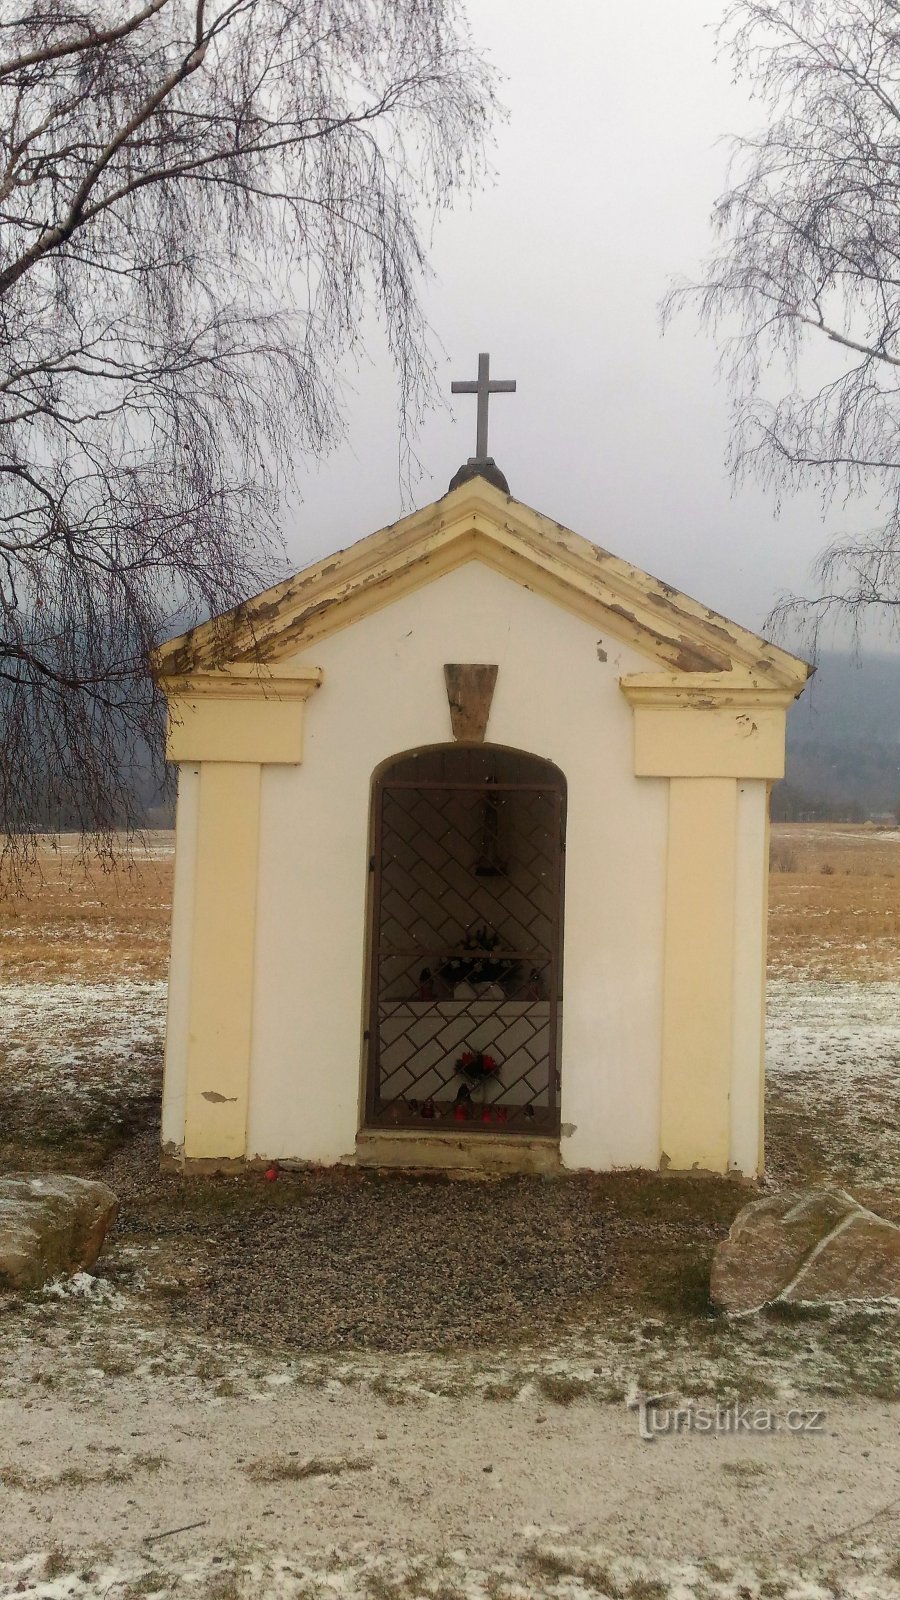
x,y
471,860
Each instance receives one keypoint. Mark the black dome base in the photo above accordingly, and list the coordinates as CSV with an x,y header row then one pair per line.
x,y
480,469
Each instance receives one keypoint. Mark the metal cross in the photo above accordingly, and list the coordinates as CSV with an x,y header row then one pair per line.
x,y
484,388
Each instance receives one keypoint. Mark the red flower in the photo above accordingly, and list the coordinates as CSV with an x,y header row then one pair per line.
x,y
477,1064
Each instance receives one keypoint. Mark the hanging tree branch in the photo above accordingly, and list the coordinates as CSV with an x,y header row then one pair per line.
x,y
808,257
198,201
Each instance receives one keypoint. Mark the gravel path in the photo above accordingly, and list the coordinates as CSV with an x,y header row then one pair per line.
x,y
342,1259
401,1264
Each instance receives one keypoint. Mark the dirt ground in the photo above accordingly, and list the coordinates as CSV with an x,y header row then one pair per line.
x,y
411,1387
450,1500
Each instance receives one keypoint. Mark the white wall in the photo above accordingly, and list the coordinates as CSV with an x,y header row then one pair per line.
x,y
175,1076
384,693
747,1073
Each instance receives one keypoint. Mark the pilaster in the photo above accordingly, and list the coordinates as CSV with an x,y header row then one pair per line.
x,y
227,725
719,739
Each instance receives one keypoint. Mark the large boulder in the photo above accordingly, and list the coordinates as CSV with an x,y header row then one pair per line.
x,y
51,1225
818,1247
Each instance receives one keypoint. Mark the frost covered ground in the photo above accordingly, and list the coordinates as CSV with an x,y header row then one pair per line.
x,y
79,1056
833,1081
328,1494
88,1057
540,1563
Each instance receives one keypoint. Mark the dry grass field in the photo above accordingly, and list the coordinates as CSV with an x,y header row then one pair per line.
x,y
834,902
78,919
834,909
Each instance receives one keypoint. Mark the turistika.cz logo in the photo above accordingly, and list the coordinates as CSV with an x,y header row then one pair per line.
x,y
657,1417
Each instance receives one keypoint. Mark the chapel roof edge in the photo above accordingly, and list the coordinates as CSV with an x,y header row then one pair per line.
x,y
476,519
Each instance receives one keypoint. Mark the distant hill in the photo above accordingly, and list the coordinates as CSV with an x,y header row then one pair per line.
x,y
843,742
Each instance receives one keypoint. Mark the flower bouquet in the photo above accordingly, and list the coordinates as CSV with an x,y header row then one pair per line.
x,y
477,1067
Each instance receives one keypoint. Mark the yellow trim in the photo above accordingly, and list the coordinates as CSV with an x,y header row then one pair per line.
x,y
478,522
704,691
749,976
222,961
706,725
708,744
762,995
698,975
244,731
248,714
246,681
181,944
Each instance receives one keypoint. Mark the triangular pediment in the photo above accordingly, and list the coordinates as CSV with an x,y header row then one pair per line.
x,y
477,522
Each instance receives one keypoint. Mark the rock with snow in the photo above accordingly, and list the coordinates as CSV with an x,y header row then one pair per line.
x,y
819,1247
51,1225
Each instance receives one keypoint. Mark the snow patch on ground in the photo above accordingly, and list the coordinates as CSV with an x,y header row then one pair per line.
x,y
833,1067
849,1031
74,1040
75,1052
44,1026
79,1343
543,1564
84,1287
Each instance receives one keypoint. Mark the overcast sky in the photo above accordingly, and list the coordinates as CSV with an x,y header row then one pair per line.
x,y
605,175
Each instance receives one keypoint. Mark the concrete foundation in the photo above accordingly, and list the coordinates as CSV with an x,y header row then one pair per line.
x,y
473,1152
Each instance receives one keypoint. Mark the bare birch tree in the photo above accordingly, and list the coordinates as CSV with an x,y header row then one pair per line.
x,y
199,200
803,288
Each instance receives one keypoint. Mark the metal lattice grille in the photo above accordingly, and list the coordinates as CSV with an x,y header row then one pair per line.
x,y
466,942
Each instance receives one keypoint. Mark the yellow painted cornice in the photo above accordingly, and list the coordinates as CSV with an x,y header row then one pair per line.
x,y
704,691
247,713
244,681
479,522
707,724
